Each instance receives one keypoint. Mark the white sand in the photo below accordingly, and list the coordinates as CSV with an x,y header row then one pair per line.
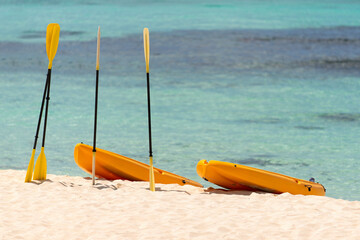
x,y
70,208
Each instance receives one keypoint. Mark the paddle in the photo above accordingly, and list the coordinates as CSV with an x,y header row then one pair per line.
x,y
31,163
96,103
147,58
49,32
52,36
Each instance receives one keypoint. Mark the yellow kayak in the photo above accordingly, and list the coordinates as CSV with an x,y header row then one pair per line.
x,y
113,166
240,177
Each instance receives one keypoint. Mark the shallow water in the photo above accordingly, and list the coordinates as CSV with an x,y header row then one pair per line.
x,y
269,85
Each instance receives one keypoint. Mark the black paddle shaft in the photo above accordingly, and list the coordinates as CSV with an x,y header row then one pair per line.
x,y
41,110
96,106
47,105
149,113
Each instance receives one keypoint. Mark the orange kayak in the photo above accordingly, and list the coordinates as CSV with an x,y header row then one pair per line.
x,y
113,166
240,177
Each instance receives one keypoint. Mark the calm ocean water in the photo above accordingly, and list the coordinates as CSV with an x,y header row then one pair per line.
x,y
269,84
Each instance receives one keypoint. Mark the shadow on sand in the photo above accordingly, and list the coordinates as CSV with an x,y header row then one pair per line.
x,y
230,192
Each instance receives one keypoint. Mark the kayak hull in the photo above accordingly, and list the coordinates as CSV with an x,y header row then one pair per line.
x,y
240,177
112,166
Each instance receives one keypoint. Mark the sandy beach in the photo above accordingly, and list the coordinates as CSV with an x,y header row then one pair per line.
x,y
64,207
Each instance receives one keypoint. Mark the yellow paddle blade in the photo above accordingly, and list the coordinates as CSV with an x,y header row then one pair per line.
x,y
152,178
49,31
52,41
147,48
40,166
98,50
30,167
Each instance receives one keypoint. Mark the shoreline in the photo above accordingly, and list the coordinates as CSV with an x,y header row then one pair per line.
x,y
65,207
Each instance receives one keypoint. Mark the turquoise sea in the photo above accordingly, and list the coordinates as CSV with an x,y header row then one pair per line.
x,y
269,84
